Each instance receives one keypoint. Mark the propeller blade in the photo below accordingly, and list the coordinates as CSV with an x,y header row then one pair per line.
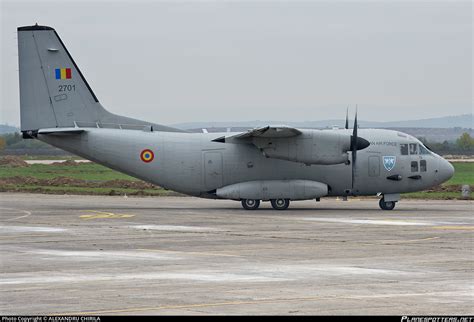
x,y
354,131
357,143
347,118
354,149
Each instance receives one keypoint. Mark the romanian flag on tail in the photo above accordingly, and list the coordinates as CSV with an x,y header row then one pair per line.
x,y
63,73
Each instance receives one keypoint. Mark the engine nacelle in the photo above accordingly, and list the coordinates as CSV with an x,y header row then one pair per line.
x,y
274,189
311,147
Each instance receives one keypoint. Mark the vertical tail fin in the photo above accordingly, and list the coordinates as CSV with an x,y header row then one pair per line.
x,y
53,91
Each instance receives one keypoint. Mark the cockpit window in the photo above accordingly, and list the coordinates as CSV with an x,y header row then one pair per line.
x,y
424,150
413,148
404,149
423,165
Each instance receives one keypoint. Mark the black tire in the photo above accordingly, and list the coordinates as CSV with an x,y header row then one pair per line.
x,y
250,204
387,205
280,204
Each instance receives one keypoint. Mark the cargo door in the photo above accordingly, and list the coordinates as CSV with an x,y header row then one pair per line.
x,y
212,170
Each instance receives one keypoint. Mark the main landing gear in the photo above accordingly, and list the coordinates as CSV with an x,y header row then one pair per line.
x,y
283,204
280,204
386,205
277,204
250,204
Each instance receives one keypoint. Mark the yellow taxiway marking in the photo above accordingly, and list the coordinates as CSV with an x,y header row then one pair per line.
x,y
394,242
454,227
252,302
187,253
405,221
412,240
104,215
190,306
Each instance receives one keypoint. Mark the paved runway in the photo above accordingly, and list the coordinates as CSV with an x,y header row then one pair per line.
x,y
115,255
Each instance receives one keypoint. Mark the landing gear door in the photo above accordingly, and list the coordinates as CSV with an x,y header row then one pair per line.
x,y
212,170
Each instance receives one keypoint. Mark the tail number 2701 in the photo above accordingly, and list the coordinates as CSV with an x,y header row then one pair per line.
x,y
66,88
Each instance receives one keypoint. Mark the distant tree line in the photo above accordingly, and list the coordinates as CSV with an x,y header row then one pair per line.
x,y
464,145
15,141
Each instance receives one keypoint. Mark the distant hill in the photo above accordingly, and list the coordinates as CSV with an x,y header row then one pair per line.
x,y
462,121
4,129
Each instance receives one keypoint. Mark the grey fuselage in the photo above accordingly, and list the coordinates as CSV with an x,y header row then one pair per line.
x,y
192,164
58,106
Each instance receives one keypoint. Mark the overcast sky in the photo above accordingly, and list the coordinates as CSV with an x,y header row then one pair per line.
x,y
172,62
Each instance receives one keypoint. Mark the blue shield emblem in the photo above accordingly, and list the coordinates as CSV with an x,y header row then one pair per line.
x,y
389,162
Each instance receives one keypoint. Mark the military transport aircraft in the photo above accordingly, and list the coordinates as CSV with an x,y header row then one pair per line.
x,y
272,163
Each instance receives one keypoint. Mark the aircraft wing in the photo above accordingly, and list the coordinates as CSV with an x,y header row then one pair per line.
x,y
262,132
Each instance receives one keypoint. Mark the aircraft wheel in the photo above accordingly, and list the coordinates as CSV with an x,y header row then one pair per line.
x,y
280,204
250,204
386,205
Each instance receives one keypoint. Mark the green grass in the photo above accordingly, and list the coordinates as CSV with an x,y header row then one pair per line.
x,y
86,190
86,171
463,173
92,172
433,195
50,157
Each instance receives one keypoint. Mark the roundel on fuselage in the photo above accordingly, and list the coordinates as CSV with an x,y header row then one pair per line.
x,y
147,155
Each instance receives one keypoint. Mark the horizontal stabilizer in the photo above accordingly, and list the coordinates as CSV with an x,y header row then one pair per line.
x,y
61,131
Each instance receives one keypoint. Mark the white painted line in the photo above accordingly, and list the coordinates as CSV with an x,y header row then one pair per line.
x,y
173,228
25,212
102,255
25,229
246,273
71,278
389,222
315,271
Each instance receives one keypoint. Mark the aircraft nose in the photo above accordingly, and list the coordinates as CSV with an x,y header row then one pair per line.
x,y
446,170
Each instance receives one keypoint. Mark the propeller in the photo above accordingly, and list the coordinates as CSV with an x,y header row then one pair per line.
x,y
354,148
357,143
347,118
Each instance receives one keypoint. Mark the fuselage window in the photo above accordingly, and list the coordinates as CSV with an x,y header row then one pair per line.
x,y
404,149
423,165
423,150
413,148
414,166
